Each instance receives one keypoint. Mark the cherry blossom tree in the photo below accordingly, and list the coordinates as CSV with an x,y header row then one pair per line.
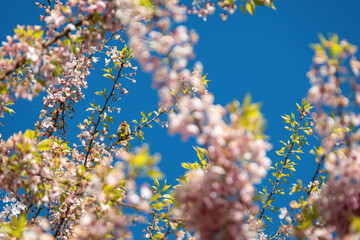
x,y
52,188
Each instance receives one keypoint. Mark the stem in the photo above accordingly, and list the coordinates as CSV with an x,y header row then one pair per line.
x,y
167,232
276,234
316,173
102,111
152,225
283,167
37,213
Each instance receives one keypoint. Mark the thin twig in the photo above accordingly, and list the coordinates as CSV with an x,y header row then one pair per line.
x,y
102,111
283,167
167,231
315,174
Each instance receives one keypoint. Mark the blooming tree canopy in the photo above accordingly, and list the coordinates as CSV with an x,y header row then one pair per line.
x,y
53,188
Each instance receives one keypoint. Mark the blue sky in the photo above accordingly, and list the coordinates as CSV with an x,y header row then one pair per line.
x,y
267,55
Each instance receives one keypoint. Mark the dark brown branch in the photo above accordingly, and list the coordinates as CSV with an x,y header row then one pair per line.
x,y
61,222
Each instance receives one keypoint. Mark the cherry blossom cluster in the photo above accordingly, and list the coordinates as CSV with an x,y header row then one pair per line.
x,y
218,202
25,45
111,188
39,169
34,58
61,97
23,166
335,92
103,191
72,198
12,209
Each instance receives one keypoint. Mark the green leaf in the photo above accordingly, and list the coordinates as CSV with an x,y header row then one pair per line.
x,y
156,182
19,225
73,49
140,135
44,144
155,173
108,76
155,197
355,223
6,228
168,196
67,42
8,110
259,2
30,134
269,219
141,159
185,165
270,201
82,170
38,34
146,3
250,7
158,206
166,187
243,9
